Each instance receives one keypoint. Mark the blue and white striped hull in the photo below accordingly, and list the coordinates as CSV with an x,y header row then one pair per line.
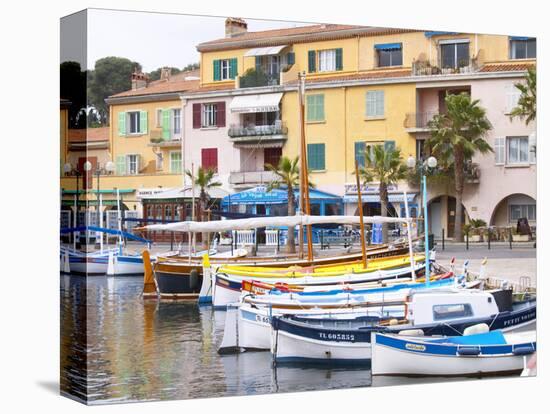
x,y
128,265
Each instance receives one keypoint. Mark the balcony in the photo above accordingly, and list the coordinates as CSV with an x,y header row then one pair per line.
x,y
426,68
472,173
418,121
156,139
250,178
249,134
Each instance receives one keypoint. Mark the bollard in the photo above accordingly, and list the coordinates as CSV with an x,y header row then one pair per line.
x,y
488,238
510,237
467,240
442,239
322,240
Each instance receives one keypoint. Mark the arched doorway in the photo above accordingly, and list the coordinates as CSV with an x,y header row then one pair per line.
x,y
441,216
513,207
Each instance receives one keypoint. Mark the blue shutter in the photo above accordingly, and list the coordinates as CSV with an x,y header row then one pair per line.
x,y
233,68
311,61
316,157
339,58
290,58
360,149
216,69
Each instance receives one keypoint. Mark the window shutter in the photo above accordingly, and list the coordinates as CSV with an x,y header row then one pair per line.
x,y
196,116
339,64
311,61
533,148
216,69
166,124
316,156
499,151
143,122
290,58
209,158
233,68
258,62
120,165
320,107
360,149
220,114
380,103
122,124
389,145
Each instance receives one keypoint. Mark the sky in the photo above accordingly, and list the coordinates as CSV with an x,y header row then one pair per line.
x,y
155,39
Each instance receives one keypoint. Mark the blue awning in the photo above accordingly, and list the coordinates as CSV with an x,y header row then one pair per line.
x,y
388,46
431,34
375,198
521,38
260,195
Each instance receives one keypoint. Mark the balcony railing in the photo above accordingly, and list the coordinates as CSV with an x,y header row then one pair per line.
x,y
427,68
419,120
155,138
251,177
240,131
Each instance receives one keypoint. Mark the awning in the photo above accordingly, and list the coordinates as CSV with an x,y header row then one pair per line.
x,y
388,46
265,51
186,192
268,102
436,33
375,198
260,195
521,38
260,144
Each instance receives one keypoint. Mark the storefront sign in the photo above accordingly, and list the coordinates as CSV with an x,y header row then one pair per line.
x,y
148,192
366,188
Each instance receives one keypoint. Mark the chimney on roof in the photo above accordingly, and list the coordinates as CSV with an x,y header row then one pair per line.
x,y
235,26
139,79
165,73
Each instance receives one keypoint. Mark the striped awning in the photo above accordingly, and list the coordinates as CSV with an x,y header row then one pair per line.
x,y
388,46
266,102
265,51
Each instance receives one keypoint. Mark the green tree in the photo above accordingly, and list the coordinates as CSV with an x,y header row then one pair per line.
x,y
456,136
253,78
155,75
527,103
111,75
386,167
72,82
191,66
287,175
204,179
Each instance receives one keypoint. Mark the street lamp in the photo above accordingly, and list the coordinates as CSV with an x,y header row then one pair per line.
x,y
424,167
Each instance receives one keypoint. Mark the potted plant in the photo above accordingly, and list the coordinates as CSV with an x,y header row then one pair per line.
x,y
467,231
519,237
478,229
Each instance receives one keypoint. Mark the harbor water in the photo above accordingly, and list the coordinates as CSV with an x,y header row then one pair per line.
x,y
117,347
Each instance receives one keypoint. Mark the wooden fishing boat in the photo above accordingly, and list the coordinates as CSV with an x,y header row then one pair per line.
x,y
428,313
488,353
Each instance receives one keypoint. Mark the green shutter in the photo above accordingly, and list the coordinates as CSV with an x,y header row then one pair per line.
x,y
315,107
339,64
233,68
360,149
290,58
166,124
122,124
120,165
321,108
311,61
258,62
216,69
143,122
316,157
389,145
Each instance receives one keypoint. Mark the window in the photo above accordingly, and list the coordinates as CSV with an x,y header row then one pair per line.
x,y
512,97
209,159
224,68
518,211
517,150
316,157
177,121
523,48
209,115
132,164
455,55
327,60
360,153
272,156
442,312
315,108
389,54
375,104
158,121
273,65
175,162
133,119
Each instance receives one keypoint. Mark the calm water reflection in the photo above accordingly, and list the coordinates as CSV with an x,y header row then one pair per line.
x,y
147,350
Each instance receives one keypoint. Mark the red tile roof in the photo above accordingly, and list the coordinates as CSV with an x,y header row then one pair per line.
x,y
357,76
89,135
160,86
294,35
507,67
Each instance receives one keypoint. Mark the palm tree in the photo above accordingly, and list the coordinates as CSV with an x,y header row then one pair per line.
x,y
527,103
287,175
455,137
386,167
205,181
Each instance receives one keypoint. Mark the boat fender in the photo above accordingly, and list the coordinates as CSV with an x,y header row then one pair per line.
x,y
476,329
468,350
411,332
523,350
393,322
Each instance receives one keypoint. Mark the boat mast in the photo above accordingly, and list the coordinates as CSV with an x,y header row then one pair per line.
x,y
409,236
303,170
192,204
361,222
